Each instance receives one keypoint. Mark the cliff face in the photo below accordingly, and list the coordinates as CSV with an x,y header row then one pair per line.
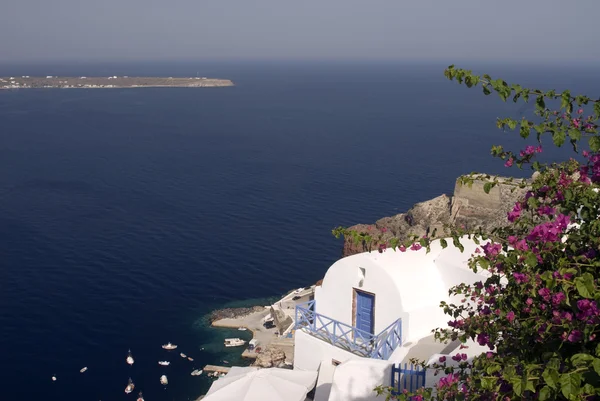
x,y
468,207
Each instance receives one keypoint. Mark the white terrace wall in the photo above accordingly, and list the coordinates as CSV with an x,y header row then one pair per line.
x,y
310,351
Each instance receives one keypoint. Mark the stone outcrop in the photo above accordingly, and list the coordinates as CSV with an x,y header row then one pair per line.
x,y
469,207
270,357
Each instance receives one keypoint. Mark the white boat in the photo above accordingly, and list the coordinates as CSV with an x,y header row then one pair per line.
x,y
234,342
183,355
163,380
130,386
196,372
82,370
164,363
242,329
140,397
53,378
190,359
169,346
129,358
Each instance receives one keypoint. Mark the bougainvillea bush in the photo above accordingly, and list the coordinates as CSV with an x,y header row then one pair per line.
x,y
538,313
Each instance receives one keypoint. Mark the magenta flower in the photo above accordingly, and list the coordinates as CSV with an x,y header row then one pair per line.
x,y
545,294
515,213
575,336
442,359
520,278
402,248
558,298
509,162
483,339
491,250
416,246
580,111
546,210
448,381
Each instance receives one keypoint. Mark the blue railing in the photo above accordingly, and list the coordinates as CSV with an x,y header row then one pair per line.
x,y
347,337
409,378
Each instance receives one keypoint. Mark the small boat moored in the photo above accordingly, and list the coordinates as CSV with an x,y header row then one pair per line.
x,y
234,342
183,355
82,370
140,397
190,359
163,380
242,329
129,358
169,346
53,378
197,372
164,363
130,386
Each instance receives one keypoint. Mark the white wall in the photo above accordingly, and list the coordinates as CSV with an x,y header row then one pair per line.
x,y
407,285
310,351
335,298
355,380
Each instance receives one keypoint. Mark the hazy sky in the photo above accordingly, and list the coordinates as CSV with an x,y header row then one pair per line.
x,y
528,30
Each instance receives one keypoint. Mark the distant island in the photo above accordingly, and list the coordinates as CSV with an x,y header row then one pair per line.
x,y
26,82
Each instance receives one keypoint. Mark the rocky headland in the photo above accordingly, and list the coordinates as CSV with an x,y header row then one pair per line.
x,y
469,207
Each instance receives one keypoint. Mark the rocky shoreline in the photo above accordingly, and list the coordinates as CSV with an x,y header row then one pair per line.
x,y
469,207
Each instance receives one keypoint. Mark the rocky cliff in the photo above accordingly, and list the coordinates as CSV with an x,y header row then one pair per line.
x,y
470,207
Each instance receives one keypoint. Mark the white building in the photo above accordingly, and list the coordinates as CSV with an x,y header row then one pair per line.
x,y
374,310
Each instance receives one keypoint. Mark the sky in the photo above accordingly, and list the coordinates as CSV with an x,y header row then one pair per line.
x,y
408,30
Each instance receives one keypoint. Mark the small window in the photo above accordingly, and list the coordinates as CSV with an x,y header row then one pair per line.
x,y
335,362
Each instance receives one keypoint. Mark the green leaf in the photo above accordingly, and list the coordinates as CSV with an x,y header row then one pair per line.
x,y
585,285
488,383
574,134
565,99
581,359
540,104
596,365
524,130
517,385
487,187
531,260
443,243
550,376
594,142
597,110
486,91
544,393
598,350
558,137
512,124
570,384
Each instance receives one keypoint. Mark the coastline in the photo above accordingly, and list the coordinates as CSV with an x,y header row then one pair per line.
x,y
274,347
114,82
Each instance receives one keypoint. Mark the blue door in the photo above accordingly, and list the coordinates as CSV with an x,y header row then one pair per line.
x,y
365,305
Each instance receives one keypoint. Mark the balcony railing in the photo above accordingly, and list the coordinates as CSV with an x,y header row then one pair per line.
x,y
349,338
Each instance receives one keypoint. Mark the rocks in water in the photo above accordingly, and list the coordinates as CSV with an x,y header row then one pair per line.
x,y
469,207
270,357
231,313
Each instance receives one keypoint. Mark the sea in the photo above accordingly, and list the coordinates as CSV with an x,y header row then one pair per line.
x,y
128,215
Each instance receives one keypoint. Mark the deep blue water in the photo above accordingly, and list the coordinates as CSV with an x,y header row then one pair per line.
x,y
126,215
